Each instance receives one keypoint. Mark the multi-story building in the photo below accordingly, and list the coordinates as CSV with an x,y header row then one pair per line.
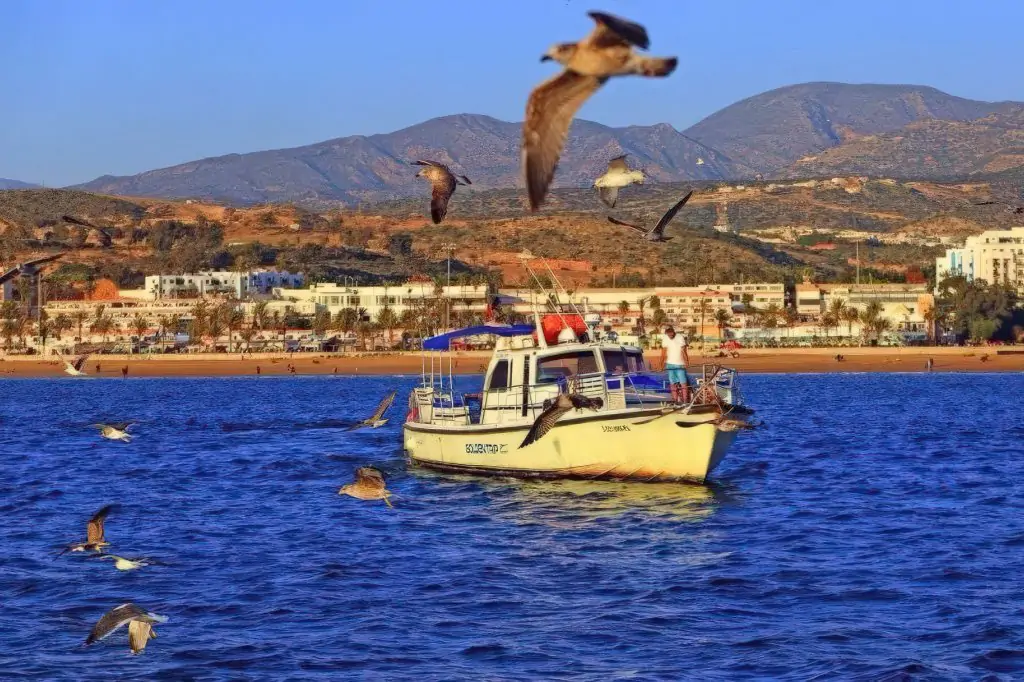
x,y
996,256
237,284
398,297
685,307
906,306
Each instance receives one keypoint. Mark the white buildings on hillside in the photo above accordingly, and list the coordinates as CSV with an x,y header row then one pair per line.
x,y
398,297
996,256
238,284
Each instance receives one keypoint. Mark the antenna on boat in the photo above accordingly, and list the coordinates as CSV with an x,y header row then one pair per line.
x,y
541,341
561,289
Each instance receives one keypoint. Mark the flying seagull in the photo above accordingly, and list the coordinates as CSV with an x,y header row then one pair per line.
x,y
74,368
606,52
123,564
443,182
551,414
139,621
116,431
656,233
94,539
1010,209
376,419
369,485
728,424
618,175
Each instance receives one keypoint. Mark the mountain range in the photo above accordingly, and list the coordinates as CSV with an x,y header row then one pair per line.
x,y
806,130
6,183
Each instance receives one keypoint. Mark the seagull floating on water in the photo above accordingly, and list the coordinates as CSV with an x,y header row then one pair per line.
x,y
656,233
116,431
553,412
369,485
377,418
94,538
139,621
617,176
123,564
589,63
443,183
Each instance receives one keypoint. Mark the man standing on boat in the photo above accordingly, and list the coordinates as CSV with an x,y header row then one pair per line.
x,y
674,359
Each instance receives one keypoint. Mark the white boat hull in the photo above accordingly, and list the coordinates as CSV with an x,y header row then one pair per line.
x,y
632,445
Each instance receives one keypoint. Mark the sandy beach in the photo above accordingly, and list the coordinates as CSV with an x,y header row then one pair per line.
x,y
786,360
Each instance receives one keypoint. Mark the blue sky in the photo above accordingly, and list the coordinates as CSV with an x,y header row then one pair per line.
x,y
125,86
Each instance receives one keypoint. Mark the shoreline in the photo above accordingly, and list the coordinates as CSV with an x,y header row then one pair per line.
x,y
770,361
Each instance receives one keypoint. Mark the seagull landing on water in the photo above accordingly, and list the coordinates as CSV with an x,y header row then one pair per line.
x,y
377,418
94,538
139,621
656,233
115,431
443,183
551,414
123,564
617,176
74,368
606,52
369,485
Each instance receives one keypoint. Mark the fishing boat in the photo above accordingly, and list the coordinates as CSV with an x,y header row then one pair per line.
x,y
637,433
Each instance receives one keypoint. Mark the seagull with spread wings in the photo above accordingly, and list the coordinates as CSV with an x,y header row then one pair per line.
x,y
443,183
369,485
656,233
606,52
139,621
115,431
616,177
553,412
95,541
376,419
74,368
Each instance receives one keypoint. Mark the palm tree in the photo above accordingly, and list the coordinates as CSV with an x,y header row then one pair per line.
x,y
8,330
45,327
836,309
363,329
215,325
247,333
850,315
80,317
870,316
791,316
139,325
641,322
345,320
61,324
930,316
321,321
232,318
387,320
704,307
659,318
103,326
623,309
260,316
723,319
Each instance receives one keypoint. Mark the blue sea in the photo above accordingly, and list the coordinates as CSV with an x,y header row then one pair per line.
x,y
872,529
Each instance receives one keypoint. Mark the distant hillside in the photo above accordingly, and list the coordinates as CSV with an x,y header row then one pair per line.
x,y
927,148
360,168
6,183
773,130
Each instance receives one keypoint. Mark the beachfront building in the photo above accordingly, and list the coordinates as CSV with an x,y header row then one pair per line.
x,y
906,306
465,299
222,282
996,256
692,308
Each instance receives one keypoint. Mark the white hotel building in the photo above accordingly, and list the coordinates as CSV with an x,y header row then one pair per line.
x,y
238,284
398,297
996,256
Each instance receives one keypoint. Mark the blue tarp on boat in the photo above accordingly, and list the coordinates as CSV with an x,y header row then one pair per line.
x,y
441,341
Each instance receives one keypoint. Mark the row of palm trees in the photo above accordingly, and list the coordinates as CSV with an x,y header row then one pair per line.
x,y
873,324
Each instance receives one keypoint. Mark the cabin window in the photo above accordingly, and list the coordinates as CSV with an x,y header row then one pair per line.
x,y
553,368
614,360
499,377
635,362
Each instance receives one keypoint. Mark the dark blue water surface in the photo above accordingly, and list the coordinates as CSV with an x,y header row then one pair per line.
x,y
873,529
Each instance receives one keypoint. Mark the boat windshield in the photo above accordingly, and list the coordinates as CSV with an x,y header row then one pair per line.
x,y
564,365
619,360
